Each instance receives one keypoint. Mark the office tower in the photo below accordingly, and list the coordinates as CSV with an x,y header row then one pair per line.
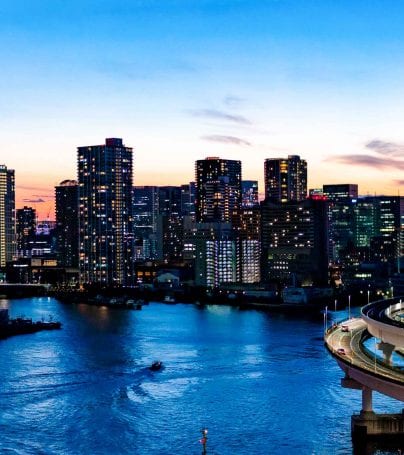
x,y
340,191
386,245
188,195
295,241
25,230
342,201
7,215
249,191
67,223
145,215
218,189
364,222
285,179
105,213
170,232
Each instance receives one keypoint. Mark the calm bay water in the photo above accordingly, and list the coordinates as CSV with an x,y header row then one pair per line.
x,y
261,383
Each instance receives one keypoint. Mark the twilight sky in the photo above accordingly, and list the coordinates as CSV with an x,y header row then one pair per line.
x,y
180,80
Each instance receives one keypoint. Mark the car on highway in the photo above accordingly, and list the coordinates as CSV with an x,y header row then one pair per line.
x,y
341,351
344,328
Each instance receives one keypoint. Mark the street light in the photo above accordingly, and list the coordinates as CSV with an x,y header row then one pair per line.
x,y
349,307
368,296
335,305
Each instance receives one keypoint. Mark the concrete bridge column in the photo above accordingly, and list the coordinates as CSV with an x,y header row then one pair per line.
x,y
387,350
367,405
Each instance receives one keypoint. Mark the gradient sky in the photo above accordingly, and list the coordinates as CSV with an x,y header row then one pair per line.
x,y
180,80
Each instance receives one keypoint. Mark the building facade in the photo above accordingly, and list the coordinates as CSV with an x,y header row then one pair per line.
x,y
285,179
105,213
218,189
7,216
249,198
25,230
295,242
67,223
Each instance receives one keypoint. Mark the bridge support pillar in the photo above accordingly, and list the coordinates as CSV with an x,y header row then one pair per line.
x,y
387,350
367,404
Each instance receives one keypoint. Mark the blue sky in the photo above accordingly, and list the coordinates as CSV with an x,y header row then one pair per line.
x,y
181,80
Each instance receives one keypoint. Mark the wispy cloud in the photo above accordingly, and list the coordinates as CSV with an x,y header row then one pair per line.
x,y
34,201
232,101
386,148
226,140
369,161
399,182
387,155
220,115
33,188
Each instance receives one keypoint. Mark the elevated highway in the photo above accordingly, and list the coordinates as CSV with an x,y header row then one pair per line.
x,y
348,343
385,321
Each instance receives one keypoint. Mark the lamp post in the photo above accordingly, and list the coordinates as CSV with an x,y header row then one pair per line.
x,y
204,440
368,296
349,306
335,305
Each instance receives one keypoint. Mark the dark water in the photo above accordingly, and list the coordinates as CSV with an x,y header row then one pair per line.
x,y
261,384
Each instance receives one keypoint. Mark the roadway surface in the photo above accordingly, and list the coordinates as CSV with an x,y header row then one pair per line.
x,y
345,342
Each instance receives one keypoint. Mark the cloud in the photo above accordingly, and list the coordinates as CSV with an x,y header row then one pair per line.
x,y
48,196
33,188
226,140
369,161
33,201
386,148
220,115
232,101
399,182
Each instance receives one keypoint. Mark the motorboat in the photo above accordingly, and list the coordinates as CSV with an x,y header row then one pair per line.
x,y
156,365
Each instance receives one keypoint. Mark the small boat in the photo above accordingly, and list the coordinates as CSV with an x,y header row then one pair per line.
x,y
156,365
169,299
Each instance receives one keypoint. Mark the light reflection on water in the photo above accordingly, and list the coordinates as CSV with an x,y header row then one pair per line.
x,y
261,383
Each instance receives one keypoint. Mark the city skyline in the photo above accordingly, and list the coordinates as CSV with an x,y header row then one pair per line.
x,y
241,80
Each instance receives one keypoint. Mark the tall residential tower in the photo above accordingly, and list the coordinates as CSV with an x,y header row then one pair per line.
x,y
218,189
105,213
285,179
7,215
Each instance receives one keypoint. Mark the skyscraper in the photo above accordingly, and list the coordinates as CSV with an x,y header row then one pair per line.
x,y
7,215
105,213
145,215
218,189
25,229
342,201
67,223
285,179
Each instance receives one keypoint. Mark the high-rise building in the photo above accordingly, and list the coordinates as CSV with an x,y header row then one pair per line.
x,y
343,233
170,231
295,241
218,189
188,194
67,223
105,213
216,255
7,215
247,229
340,191
285,179
249,190
145,215
25,230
